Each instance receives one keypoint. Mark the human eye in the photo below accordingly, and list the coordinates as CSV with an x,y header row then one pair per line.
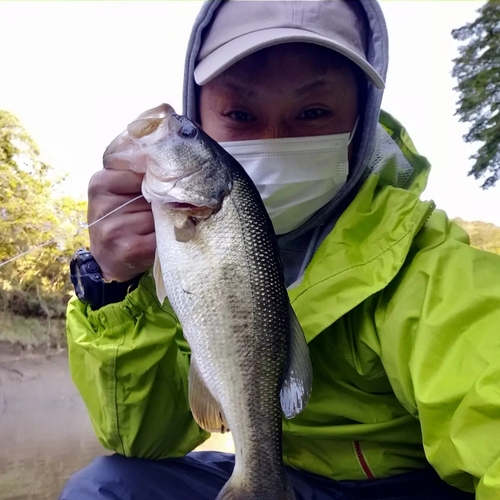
x,y
239,116
314,114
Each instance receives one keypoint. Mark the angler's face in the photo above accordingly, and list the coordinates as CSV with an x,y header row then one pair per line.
x,y
289,90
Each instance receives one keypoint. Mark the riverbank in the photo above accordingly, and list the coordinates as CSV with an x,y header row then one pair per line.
x,y
45,431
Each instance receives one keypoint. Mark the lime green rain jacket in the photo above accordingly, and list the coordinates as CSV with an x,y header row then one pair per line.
x,y
402,317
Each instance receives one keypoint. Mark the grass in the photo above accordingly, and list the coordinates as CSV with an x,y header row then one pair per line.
x,y
32,331
32,321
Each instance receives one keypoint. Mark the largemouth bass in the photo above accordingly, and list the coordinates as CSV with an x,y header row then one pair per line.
x,y
218,264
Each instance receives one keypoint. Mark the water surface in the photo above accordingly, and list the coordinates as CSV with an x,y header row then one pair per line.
x,y
45,431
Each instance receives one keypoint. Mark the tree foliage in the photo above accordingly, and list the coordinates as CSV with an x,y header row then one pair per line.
x,y
30,216
477,70
483,235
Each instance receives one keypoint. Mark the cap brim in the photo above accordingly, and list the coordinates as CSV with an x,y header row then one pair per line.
x,y
235,50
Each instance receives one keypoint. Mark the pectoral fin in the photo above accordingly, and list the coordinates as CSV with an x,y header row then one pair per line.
x,y
161,292
297,380
186,231
204,407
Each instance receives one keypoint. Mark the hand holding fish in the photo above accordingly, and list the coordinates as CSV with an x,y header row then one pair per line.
x,y
124,243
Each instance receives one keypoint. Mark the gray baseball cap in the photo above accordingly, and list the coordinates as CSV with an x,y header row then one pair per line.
x,y
242,27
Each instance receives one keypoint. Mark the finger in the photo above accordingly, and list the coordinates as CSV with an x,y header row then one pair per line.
x,y
146,225
118,227
106,203
133,251
127,259
136,223
146,246
116,208
121,182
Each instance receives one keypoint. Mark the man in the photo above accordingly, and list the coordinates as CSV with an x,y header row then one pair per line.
x,y
401,315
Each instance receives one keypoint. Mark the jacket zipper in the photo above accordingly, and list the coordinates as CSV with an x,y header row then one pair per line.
x,y
431,206
362,460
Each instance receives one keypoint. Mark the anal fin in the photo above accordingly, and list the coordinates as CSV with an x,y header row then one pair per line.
x,y
161,291
205,408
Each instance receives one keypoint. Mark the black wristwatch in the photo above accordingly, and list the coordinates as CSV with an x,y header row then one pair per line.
x,y
90,287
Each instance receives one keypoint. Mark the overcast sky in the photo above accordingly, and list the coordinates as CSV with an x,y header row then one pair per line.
x,y
76,73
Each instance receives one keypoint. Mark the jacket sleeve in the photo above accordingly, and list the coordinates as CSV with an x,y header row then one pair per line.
x,y
130,364
439,330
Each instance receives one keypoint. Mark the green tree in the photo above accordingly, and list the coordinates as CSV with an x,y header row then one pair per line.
x,y
483,235
30,216
477,70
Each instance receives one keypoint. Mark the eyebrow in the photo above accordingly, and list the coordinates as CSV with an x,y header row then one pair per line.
x,y
315,85
240,89
300,92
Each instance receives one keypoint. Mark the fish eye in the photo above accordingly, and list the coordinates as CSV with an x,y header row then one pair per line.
x,y
188,132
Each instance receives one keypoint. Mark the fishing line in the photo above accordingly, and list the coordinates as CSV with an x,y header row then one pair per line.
x,y
86,226
83,228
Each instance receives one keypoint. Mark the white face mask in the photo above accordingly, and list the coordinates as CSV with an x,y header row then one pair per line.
x,y
295,176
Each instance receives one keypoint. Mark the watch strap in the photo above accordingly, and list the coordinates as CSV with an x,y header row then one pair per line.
x,y
89,285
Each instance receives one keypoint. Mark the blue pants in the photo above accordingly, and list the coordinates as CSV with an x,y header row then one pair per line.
x,y
201,475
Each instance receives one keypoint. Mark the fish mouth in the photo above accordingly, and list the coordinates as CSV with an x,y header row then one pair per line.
x,y
192,207
179,205
196,211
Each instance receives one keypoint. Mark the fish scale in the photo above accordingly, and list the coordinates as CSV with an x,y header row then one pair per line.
x,y
257,329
